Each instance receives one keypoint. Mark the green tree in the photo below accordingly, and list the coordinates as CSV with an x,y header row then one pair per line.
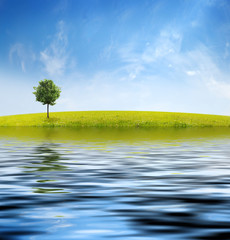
x,y
47,93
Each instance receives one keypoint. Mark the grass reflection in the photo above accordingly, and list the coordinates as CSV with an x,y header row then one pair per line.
x,y
108,136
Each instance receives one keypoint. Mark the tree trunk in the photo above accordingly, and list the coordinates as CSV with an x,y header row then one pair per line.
x,y
48,111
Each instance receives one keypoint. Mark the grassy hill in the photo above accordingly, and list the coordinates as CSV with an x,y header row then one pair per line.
x,y
116,119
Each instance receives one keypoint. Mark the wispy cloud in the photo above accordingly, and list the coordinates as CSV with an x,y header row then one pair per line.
x,y
158,76
107,51
139,61
165,54
163,65
55,56
20,55
168,43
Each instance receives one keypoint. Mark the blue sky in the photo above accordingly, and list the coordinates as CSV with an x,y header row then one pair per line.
x,y
158,55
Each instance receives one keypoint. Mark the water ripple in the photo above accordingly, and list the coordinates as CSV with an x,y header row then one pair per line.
x,y
73,191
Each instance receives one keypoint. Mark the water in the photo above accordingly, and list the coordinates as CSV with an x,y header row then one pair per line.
x,y
117,184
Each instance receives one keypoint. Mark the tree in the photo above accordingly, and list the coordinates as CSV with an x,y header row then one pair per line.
x,y
47,93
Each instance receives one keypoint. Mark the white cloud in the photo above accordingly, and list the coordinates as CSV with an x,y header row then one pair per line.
x,y
168,43
55,57
21,56
191,82
157,77
207,72
18,55
107,52
191,73
196,74
138,62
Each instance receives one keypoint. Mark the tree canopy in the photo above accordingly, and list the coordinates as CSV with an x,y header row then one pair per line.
x,y
47,93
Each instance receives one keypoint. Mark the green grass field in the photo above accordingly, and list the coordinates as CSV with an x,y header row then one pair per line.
x,y
116,119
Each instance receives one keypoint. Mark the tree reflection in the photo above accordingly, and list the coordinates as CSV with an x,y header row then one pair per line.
x,y
46,161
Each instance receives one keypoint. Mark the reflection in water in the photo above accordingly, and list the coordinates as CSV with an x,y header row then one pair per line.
x,y
114,189
46,159
48,190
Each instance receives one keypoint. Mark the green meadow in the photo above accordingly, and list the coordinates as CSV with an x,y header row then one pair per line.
x,y
116,119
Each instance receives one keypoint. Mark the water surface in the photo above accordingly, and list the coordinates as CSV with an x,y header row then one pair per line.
x,y
114,184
